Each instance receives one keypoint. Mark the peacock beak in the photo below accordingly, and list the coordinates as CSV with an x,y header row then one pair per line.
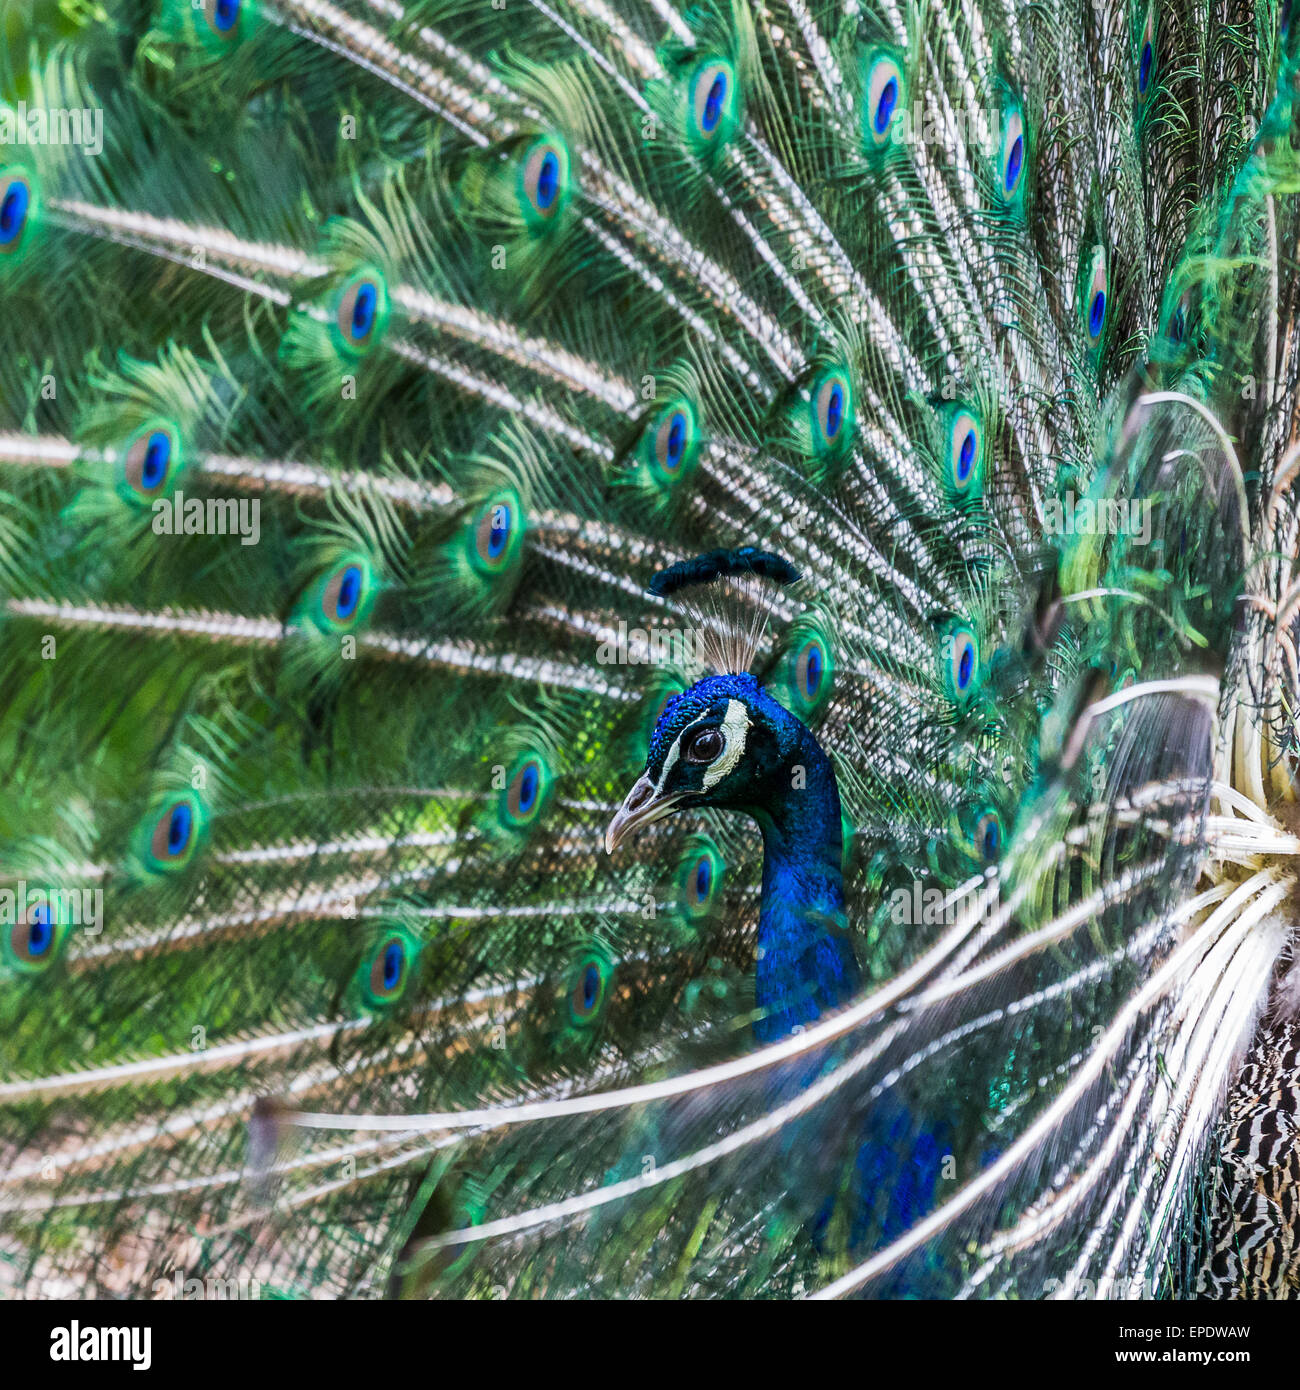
x,y
640,807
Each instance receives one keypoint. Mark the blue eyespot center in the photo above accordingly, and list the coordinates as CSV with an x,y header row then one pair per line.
x,y
812,678
885,105
13,212
1144,67
834,411
1015,160
548,180
676,447
1097,313
528,787
157,455
703,878
965,663
992,839
499,532
393,964
966,459
349,591
224,15
712,113
1178,325
40,931
179,827
590,987
364,310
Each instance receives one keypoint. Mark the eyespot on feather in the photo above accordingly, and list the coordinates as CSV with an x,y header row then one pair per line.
x,y
387,966
959,662
223,17
1012,156
545,181
964,453
700,878
1094,305
361,312
172,832
987,837
496,533
345,594
832,413
713,103
811,672
588,985
151,461
524,794
388,970
1146,59
35,939
884,95
17,196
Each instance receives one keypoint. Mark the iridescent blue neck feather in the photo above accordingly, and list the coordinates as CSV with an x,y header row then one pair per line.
x,y
806,966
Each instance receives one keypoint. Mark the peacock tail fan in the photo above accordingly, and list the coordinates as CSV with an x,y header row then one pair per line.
x,y
649,649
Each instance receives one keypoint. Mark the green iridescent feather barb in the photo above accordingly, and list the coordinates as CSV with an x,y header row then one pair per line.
x,y
650,650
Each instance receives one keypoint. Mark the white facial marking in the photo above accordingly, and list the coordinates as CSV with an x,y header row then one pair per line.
x,y
674,753
735,727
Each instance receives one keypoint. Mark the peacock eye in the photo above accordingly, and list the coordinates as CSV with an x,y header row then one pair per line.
x,y
361,311
988,836
811,666
544,181
493,536
34,941
150,460
173,832
670,442
170,833
1147,55
1096,286
884,95
712,102
222,16
340,598
387,967
965,451
33,933
959,661
587,992
810,669
525,792
700,878
495,532
344,594
704,746
15,205
832,412
673,445
1013,156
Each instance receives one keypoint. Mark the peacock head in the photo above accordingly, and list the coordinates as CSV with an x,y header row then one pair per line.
x,y
726,743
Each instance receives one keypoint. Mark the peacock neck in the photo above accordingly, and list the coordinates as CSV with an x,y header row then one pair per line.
x,y
806,966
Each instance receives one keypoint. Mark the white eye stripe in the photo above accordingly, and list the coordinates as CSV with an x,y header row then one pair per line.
x,y
735,727
670,761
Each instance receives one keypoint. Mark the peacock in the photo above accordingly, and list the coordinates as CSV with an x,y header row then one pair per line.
x,y
649,649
